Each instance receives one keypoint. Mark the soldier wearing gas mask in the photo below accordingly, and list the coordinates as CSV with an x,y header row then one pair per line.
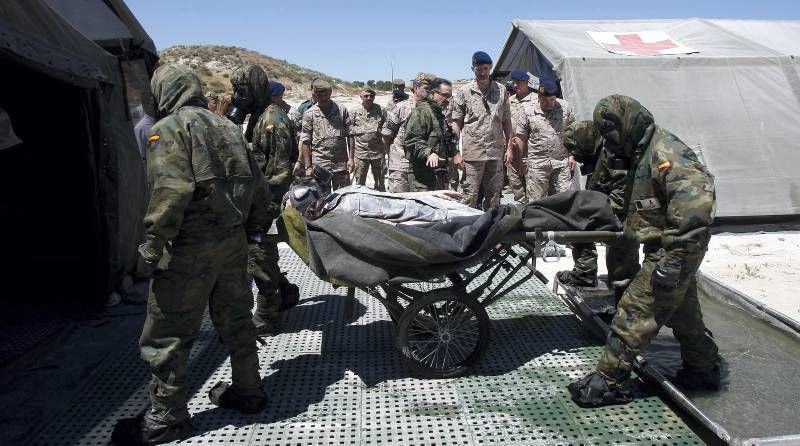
x,y
583,141
669,204
271,134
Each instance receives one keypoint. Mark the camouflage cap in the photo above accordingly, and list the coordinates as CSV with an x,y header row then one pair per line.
x,y
368,90
321,85
399,83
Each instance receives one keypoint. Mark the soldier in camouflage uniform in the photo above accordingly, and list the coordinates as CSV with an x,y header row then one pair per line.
x,y
425,146
518,103
482,118
275,151
669,203
543,123
326,136
398,95
207,198
367,121
584,142
296,114
393,132
250,96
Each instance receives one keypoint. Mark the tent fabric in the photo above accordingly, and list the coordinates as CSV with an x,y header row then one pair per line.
x,y
33,34
346,249
735,102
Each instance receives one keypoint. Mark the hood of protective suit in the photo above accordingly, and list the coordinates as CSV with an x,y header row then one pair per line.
x,y
630,117
256,80
582,140
175,86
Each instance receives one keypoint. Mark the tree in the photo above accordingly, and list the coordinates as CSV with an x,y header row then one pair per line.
x,y
371,83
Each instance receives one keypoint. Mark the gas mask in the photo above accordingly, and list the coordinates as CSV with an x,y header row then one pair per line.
x,y
612,142
241,104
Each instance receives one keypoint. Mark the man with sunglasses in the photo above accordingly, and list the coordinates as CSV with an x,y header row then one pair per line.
x,y
426,144
365,127
482,117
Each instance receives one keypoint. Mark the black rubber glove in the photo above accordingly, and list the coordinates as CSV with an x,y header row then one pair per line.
x,y
664,279
145,268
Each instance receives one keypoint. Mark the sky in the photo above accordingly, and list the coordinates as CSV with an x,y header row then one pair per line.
x,y
362,40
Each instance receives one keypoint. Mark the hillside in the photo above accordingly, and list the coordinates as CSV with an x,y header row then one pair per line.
x,y
215,63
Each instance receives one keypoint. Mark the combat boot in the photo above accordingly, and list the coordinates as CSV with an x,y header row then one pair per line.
x,y
223,395
144,431
290,293
574,278
690,378
267,327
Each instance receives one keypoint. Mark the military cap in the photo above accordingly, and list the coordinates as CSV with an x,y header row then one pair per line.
x,y
519,75
321,85
276,88
399,83
313,80
548,86
480,58
368,90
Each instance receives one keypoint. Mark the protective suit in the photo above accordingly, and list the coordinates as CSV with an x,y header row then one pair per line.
x,y
207,195
669,203
275,149
584,142
250,96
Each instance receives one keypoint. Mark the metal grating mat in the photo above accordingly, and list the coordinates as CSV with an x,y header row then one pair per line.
x,y
337,380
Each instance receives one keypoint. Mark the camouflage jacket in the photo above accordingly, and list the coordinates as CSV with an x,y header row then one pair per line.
x,y
482,135
518,107
203,179
544,130
366,127
275,145
424,136
669,194
610,182
395,127
327,134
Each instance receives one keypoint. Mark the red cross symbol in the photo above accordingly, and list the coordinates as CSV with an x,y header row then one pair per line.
x,y
633,43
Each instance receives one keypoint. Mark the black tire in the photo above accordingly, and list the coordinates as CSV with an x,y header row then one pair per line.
x,y
445,326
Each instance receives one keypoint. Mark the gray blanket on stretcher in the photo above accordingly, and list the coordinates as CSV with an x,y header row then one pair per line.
x,y
367,251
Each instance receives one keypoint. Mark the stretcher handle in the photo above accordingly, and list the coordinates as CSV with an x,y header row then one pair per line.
x,y
568,236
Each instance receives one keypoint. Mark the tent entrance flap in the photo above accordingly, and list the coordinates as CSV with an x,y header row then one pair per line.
x,y
52,242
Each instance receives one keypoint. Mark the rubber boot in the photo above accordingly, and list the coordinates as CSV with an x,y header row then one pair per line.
x,y
223,395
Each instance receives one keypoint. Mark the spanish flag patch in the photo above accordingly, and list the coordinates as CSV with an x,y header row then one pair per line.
x,y
664,166
153,138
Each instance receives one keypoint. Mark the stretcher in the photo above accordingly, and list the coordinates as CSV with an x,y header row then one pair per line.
x,y
441,324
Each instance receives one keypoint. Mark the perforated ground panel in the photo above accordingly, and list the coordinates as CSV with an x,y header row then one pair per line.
x,y
337,380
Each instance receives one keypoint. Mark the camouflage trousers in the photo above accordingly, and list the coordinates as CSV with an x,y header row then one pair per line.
x,y
488,174
398,182
192,277
262,265
339,180
517,184
543,179
378,165
453,175
622,261
641,313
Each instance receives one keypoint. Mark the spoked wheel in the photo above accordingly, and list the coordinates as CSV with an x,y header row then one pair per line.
x,y
442,334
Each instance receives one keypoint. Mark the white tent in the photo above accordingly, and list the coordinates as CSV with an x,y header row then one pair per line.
x,y
736,101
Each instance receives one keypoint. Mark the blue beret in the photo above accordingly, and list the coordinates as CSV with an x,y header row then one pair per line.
x,y
519,75
276,88
480,58
548,86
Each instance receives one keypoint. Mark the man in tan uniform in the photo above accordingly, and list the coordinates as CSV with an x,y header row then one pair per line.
x,y
325,138
393,132
481,115
518,102
365,127
549,163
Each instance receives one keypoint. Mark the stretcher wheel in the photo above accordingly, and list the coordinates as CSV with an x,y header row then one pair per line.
x,y
442,334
